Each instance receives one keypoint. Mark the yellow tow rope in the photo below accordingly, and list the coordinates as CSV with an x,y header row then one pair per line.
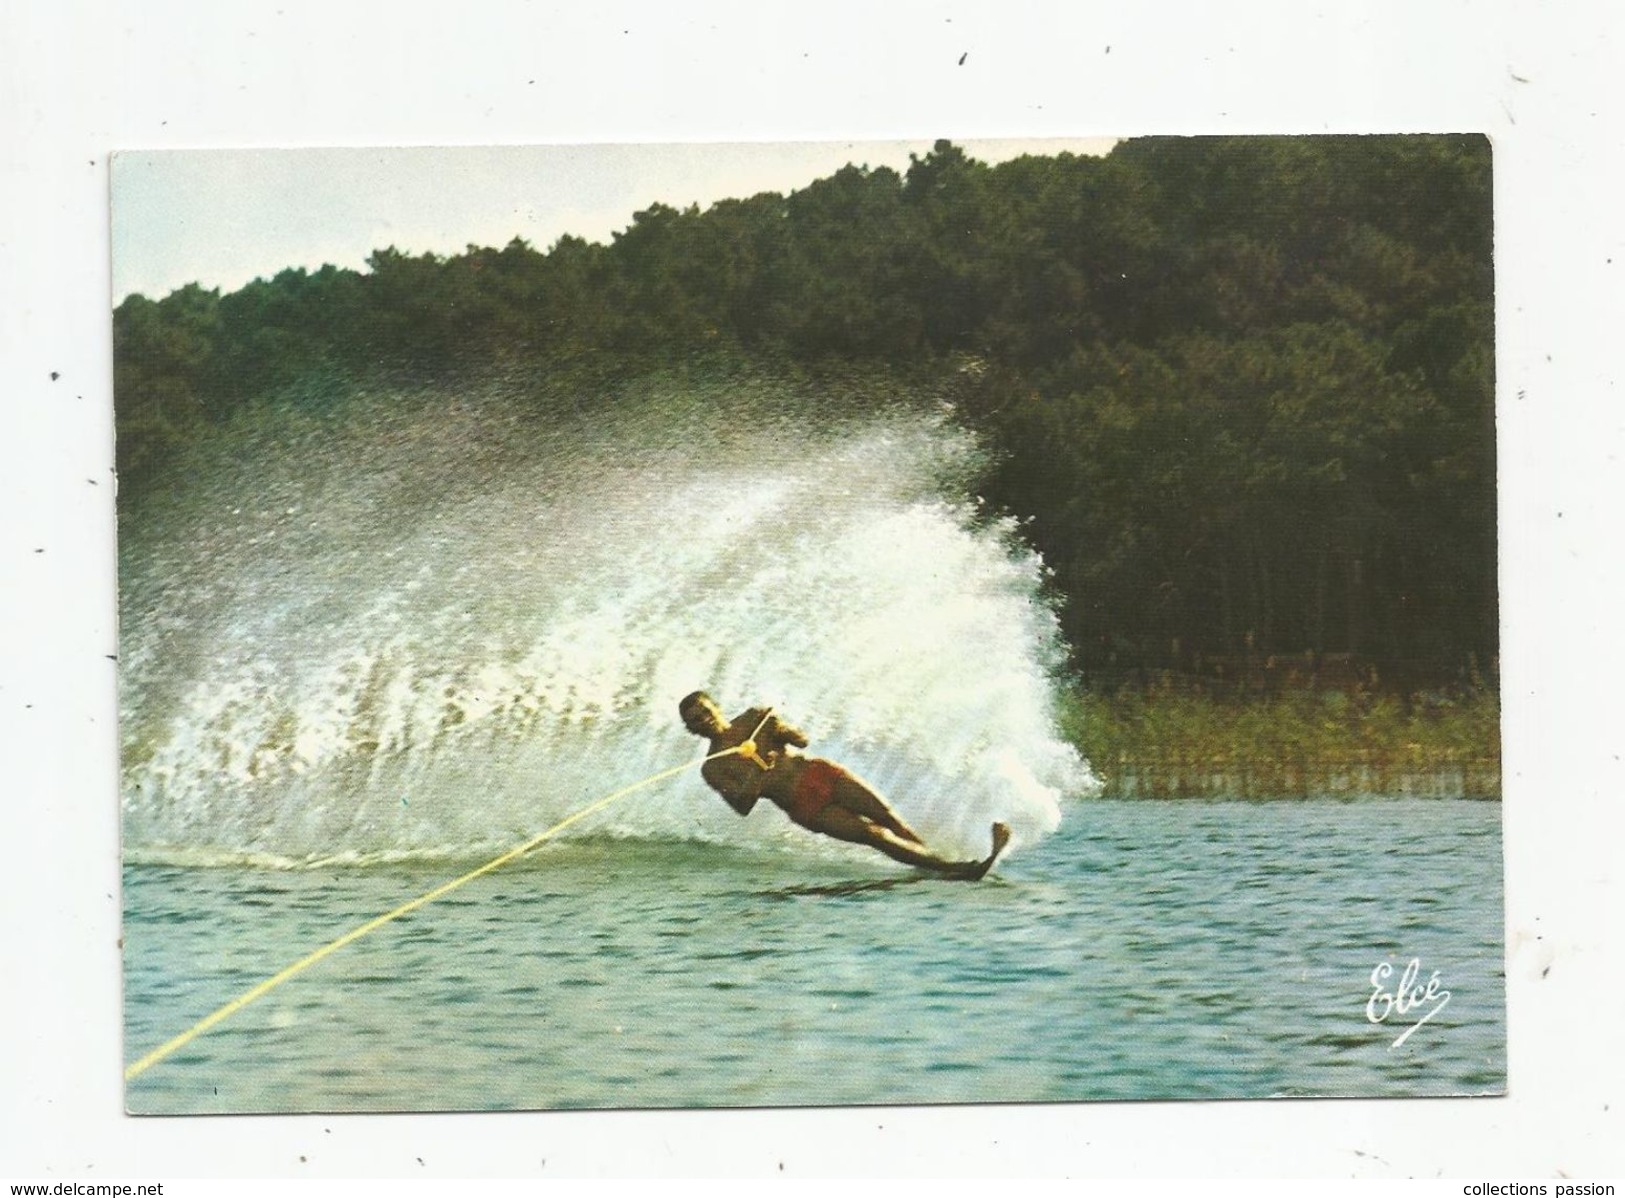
x,y
747,747
136,1068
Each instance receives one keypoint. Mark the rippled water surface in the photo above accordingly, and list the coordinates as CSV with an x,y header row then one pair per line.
x,y
1146,950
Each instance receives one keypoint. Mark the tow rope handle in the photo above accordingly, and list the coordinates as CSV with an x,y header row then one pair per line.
x,y
747,747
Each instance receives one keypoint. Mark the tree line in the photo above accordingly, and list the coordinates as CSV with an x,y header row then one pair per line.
x,y
1240,390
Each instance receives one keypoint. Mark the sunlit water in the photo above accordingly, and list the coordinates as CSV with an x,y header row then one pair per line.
x,y
1148,950
362,653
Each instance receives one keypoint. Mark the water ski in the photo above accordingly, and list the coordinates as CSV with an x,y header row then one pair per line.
x,y
1001,839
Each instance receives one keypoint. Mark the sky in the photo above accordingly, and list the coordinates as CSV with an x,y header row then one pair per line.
x,y
224,217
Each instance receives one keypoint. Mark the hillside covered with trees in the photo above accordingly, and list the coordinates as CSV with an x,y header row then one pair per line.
x,y
1240,390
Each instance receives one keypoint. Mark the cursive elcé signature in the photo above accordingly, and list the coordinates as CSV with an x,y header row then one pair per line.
x,y
1406,997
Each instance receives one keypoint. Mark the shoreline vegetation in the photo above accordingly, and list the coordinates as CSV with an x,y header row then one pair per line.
x,y
1172,738
1238,393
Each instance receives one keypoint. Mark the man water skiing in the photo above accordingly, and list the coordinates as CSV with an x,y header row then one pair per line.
x,y
815,793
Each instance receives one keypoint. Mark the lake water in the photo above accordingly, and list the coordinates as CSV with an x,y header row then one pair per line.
x,y
1181,949
368,646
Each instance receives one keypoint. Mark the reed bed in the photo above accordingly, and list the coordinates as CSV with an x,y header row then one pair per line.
x,y
1168,740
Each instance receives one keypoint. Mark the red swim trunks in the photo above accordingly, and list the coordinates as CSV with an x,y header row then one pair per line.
x,y
814,790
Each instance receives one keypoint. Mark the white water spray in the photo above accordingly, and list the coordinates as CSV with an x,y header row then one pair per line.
x,y
444,625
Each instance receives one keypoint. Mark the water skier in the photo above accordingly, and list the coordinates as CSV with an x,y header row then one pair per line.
x,y
817,794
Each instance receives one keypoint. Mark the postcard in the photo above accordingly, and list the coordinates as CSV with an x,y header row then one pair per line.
x,y
808,624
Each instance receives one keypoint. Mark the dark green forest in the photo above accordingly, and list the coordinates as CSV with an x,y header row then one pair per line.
x,y
1239,390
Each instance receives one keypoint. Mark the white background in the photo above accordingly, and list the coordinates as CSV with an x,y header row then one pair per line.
x,y
78,79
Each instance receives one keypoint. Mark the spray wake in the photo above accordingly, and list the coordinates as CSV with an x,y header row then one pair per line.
x,y
438,625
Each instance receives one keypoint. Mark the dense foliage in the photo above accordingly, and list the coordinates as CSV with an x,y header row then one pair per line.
x,y
1241,389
